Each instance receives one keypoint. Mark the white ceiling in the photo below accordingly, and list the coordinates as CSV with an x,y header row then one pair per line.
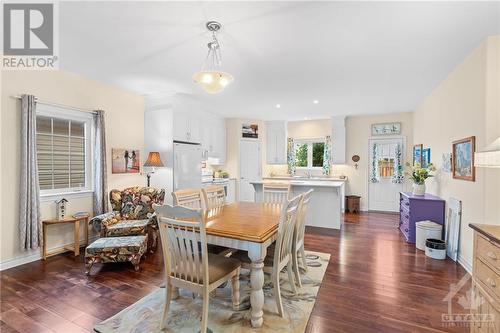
x,y
354,57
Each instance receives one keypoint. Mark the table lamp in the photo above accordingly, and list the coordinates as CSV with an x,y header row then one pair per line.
x,y
153,161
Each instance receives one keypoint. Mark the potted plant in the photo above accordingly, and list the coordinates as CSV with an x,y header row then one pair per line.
x,y
418,175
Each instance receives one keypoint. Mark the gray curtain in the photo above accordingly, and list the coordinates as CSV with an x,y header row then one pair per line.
x,y
30,227
100,168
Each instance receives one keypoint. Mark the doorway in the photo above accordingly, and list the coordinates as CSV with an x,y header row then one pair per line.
x,y
383,194
250,168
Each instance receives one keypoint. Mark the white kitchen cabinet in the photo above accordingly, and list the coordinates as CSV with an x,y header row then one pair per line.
x,y
213,138
187,127
276,142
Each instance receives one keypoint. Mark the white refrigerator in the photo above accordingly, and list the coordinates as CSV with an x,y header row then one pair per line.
x,y
187,165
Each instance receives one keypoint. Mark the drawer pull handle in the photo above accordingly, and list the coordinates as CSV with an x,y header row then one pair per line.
x,y
491,255
491,282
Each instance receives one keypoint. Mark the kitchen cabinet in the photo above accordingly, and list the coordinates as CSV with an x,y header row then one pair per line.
x,y
276,142
213,139
187,126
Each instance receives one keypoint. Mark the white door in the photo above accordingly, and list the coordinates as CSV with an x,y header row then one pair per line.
x,y
384,194
250,168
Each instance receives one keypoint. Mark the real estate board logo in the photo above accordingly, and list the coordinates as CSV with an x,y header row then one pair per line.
x,y
28,36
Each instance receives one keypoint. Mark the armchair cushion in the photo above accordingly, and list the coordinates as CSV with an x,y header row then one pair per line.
x,y
127,228
136,203
100,221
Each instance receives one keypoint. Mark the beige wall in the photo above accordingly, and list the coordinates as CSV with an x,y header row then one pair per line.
x,y
124,128
465,104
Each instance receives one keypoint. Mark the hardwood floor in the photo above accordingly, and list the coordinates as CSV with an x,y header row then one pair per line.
x,y
375,282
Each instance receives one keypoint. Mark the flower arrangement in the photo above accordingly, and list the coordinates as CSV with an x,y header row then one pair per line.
x,y
419,174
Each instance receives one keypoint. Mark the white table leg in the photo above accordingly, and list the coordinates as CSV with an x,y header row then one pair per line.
x,y
257,253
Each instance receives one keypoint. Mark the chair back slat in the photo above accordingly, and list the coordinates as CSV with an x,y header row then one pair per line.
x,y
286,228
182,230
301,219
190,198
275,193
214,196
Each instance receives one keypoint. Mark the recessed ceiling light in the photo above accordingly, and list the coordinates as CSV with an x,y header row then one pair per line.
x,y
315,101
278,106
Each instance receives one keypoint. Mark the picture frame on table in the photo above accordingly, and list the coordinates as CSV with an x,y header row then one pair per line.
x,y
462,164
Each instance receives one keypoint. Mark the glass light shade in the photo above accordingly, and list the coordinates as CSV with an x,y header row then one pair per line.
x,y
154,160
213,81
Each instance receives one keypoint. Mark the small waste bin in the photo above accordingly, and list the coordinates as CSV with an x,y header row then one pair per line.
x,y
352,203
425,230
435,248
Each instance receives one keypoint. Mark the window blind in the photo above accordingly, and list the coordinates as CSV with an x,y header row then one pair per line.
x,y
60,153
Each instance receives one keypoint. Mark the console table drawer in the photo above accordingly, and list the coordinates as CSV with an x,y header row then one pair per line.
x,y
488,252
488,278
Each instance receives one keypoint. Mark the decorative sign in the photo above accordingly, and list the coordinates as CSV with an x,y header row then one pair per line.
x,y
386,129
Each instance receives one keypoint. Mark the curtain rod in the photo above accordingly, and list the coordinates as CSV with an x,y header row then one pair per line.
x,y
59,105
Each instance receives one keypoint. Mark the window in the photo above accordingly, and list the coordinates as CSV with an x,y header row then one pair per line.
x,y
63,150
309,153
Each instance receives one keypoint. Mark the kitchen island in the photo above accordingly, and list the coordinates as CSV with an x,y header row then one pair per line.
x,y
325,207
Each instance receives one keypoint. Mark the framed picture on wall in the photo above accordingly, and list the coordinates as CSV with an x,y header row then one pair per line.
x,y
417,154
250,131
386,129
125,160
426,157
462,164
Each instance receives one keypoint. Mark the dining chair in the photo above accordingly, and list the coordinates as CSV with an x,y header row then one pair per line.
x,y
298,236
279,256
181,231
275,193
214,196
190,198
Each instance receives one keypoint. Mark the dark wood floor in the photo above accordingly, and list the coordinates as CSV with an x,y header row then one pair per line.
x,y
375,282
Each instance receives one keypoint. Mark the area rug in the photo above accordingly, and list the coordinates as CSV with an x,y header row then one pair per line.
x,y
185,312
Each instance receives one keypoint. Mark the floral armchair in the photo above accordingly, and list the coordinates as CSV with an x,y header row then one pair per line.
x,y
132,214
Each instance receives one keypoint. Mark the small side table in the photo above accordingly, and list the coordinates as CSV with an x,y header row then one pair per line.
x,y
76,224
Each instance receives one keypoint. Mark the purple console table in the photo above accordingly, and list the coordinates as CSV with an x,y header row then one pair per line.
x,y
415,208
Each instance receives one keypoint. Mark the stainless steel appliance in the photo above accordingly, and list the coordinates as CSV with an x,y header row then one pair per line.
x,y
187,165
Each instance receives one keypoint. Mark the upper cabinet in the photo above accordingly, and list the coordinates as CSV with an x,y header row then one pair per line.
x,y
187,126
213,139
338,140
276,142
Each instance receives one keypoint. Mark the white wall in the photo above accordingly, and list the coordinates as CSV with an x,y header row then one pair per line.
x,y
124,128
465,104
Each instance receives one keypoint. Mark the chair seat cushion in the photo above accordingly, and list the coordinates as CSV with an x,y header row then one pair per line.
x,y
218,267
127,228
118,246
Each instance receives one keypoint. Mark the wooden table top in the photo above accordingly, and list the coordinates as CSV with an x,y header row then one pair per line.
x,y
67,219
249,221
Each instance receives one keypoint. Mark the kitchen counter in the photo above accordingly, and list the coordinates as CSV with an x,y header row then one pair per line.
x,y
299,178
327,199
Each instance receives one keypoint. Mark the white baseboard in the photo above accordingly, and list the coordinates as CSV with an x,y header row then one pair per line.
x,y
21,260
465,264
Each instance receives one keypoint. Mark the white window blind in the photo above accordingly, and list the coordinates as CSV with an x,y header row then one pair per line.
x,y
63,151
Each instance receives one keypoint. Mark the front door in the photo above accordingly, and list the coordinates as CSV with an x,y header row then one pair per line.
x,y
250,168
383,194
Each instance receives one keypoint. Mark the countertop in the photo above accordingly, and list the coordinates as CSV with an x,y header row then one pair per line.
x,y
315,179
309,183
489,230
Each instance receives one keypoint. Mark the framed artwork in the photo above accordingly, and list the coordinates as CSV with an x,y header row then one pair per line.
x,y
386,129
463,159
250,131
446,162
426,157
125,160
417,154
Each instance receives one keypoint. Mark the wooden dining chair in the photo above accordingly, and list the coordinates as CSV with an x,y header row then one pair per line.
x,y
214,196
190,198
279,256
275,193
298,236
181,231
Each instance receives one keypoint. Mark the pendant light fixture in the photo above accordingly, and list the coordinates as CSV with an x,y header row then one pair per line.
x,y
211,78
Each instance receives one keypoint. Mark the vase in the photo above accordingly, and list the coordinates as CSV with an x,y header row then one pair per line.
x,y
418,189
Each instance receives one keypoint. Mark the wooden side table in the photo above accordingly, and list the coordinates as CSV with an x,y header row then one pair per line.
x,y
76,224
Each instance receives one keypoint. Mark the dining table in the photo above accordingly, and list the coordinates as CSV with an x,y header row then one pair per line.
x,y
251,227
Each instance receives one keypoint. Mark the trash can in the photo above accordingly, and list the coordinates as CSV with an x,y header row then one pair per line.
x,y
435,248
425,230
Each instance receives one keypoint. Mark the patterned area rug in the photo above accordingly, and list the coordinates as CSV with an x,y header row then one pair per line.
x,y
185,312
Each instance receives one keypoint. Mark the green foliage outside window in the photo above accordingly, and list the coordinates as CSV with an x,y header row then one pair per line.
x,y
318,152
301,155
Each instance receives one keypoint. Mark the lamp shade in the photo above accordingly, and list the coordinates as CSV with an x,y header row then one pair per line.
x,y
489,157
154,160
